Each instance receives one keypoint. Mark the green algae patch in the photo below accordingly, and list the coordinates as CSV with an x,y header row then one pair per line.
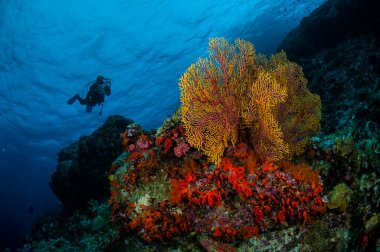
x,y
339,197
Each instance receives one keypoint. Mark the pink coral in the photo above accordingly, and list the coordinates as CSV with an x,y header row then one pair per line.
x,y
181,149
131,147
142,144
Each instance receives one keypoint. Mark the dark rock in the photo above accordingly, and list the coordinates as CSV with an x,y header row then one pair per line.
x,y
345,77
338,48
82,170
330,24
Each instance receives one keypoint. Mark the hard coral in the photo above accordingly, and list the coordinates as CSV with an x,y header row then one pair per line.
x,y
271,194
158,223
173,141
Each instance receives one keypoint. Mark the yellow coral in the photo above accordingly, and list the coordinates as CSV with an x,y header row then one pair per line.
x,y
210,94
264,95
300,114
339,197
234,90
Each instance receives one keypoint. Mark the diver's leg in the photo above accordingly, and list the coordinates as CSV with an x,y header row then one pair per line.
x,y
76,97
81,100
73,99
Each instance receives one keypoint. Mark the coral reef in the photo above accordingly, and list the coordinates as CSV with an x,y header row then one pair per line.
x,y
231,92
84,230
168,196
161,188
160,196
344,70
82,168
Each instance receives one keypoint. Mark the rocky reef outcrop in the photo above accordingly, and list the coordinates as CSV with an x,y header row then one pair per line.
x,y
338,46
330,24
82,170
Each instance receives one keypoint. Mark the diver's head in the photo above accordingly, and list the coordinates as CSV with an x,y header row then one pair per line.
x,y
107,90
100,79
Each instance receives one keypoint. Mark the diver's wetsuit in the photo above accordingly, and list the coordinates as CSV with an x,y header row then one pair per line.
x,y
95,95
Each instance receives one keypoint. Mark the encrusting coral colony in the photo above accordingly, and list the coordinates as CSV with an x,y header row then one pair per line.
x,y
220,167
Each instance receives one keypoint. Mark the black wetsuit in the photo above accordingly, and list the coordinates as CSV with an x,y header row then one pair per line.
x,y
95,96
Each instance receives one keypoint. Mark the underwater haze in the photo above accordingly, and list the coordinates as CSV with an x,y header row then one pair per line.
x,y
51,49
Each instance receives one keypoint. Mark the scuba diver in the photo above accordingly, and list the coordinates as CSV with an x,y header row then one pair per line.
x,y
95,95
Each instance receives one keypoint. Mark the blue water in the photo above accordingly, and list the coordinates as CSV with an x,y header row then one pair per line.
x,y
49,50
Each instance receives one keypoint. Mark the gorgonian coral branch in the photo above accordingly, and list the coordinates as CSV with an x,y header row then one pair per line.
x,y
210,96
231,92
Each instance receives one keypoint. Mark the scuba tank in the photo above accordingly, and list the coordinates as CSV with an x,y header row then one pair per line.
x,y
105,88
